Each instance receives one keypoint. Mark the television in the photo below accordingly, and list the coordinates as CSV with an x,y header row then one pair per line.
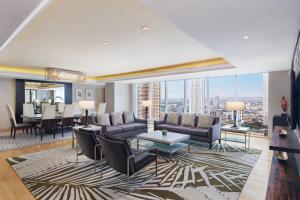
x,y
294,96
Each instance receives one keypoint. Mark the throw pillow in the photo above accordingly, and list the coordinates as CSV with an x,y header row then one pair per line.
x,y
128,117
172,118
116,119
103,119
188,120
205,121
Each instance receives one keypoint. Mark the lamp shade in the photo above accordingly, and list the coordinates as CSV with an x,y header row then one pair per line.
x,y
235,105
146,103
87,105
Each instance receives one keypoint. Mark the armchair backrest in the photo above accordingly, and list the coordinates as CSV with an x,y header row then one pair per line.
x,y
87,141
116,153
28,109
60,107
11,115
101,108
48,112
68,111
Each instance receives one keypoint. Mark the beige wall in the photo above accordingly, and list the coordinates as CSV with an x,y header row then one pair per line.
x,y
278,87
98,91
7,96
118,97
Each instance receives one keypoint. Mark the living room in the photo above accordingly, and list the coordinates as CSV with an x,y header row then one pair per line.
x,y
140,99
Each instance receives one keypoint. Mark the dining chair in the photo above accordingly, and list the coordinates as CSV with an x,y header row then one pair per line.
x,y
120,157
101,108
68,118
28,110
13,122
43,106
48,122
60,107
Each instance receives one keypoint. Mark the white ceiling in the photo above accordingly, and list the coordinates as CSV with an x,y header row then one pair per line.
x,y
12,14
271,25
70,34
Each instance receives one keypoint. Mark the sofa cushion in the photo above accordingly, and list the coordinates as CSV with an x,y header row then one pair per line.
x,y
103,119
113,130
188,120
201,132
139,126
205,121
127,127
168,127
172,118
116,118
128,117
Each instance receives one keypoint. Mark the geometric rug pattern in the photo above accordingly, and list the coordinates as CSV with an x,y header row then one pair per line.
x,y
28,139
220,173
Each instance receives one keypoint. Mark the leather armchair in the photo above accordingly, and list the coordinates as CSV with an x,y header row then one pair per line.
x,y
119,156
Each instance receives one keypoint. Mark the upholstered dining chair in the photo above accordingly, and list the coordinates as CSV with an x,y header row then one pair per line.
x,y
28,110
119,156
101,108
60,107
48,122
89,144
13,122
68,118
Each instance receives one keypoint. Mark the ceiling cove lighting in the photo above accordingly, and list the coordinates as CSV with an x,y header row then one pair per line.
x,y
105,43
145,28
55,74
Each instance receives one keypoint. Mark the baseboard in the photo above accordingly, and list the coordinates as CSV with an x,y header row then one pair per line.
x,y
4,129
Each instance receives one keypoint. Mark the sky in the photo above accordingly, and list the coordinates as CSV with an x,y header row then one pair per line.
x,y
250,85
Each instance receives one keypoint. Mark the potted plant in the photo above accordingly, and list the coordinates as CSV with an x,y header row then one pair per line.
x,y
164,132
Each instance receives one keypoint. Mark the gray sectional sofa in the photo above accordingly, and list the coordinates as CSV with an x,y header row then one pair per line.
x,y
209,134
125,130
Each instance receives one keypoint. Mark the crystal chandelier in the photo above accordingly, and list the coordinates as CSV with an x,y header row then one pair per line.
x,y
55,74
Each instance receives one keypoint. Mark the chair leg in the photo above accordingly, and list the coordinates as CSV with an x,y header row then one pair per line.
x,y
128,175
11,131
15,129
53,132
77,152
23,130
95,158
101,155
41,133
156,161
219,141
210,145
62,131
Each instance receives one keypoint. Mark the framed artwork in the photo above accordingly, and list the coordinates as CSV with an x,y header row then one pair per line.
x,y
89,95
79,94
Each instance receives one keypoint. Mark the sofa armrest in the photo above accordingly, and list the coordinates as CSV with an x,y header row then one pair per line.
x,y
214,132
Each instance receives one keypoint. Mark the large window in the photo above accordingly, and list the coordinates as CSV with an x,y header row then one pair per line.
x,y
209,96
175,94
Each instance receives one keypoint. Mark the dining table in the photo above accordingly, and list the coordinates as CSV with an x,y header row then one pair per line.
x,y
37,117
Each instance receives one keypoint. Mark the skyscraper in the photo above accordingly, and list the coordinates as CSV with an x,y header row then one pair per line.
x,y
197,104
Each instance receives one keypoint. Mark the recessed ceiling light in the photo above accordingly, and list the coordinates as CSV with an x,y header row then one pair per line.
x,y
105,43
245,37
145,28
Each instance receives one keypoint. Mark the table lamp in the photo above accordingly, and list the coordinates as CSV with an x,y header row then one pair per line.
x,y
146,104
86,105
235,106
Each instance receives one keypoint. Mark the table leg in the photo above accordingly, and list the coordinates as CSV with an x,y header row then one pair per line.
x,y
225,136
245,142
170,153
249,141
72,139
137,144
189,147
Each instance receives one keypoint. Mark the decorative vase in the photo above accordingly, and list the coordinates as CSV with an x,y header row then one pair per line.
x,y
284,104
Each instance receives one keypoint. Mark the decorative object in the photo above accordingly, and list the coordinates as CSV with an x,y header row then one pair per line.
x,y
89,95
55,74
146,104
79,94
235,106
284,104
282,132
164,132
86,105
281,155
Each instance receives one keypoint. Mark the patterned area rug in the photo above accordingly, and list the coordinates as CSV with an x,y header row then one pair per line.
x,y
201,174
27,139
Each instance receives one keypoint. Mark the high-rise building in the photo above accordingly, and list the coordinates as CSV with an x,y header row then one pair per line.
x,y
149,91
197,99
